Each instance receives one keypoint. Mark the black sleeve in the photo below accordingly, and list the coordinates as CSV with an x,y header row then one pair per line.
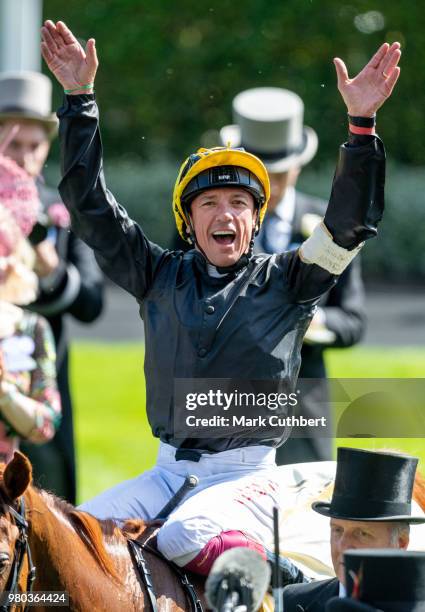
x,y
307,282
345,308
356,204
355,207
121,249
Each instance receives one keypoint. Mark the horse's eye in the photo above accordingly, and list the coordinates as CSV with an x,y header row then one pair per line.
x,y
4,561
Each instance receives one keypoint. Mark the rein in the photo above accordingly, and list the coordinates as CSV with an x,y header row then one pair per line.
x,y
136,549
22,548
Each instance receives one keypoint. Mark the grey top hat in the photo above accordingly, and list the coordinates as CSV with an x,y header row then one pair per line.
x,y
269,124
27,95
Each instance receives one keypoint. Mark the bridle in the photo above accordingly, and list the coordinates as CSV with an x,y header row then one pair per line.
x,y
22,548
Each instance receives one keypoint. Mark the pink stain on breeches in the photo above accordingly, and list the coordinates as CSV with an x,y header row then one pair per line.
x,y
203,561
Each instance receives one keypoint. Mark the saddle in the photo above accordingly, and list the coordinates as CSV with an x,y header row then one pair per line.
x,y
162,579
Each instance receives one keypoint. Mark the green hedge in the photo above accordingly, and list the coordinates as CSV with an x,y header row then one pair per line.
x,y
169,70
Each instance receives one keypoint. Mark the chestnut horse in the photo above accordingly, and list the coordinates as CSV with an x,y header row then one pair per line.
x,y
76,553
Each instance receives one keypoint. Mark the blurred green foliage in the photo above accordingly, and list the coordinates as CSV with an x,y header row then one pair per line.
x,y
169,71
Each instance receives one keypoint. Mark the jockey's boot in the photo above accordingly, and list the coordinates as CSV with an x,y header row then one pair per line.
x,y
289,572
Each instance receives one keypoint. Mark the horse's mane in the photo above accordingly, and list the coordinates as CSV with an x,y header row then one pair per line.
x,y
419,490
90,530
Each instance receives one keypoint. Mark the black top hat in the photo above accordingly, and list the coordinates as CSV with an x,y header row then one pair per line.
x,y
390,580
372,486
344,604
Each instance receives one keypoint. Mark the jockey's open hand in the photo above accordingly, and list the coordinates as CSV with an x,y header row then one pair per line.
x,y
72,65
367,92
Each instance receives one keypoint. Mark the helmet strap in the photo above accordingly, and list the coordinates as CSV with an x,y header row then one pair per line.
x,y
190,235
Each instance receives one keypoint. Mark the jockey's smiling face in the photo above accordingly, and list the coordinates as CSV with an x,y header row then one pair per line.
x,y
223,219
362,534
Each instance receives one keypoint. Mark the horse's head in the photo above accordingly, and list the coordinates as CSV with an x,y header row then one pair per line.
x,y
15,478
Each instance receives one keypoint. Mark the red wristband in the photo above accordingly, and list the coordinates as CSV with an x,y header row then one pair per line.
x,y
363,131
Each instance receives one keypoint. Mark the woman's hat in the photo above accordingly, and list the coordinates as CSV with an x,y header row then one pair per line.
x,y
19,209
10,234
18,283
27,95
269,124
19,195
372,486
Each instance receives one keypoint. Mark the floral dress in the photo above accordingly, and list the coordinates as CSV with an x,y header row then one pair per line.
x,y
29,384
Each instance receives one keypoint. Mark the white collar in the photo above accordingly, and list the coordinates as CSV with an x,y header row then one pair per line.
x,y
212,271
285,209
342,590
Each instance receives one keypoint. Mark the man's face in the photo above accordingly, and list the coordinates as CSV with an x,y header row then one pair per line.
x,y
223,220
360,534
278,186
279,183
29,147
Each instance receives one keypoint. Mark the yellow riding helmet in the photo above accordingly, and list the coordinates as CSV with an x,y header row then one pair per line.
x,y
233,167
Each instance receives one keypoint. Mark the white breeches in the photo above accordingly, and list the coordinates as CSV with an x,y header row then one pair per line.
x,y
237,491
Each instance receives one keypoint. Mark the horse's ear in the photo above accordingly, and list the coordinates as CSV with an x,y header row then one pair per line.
x,y
17,475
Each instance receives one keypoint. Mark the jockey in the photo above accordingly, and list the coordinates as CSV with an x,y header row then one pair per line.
x,y
218,311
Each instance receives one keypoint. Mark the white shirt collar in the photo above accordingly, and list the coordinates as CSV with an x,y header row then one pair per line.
x,y
285,209
212,271
342,590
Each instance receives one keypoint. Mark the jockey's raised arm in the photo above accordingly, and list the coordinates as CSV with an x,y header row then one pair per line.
x,y
126,256
357,202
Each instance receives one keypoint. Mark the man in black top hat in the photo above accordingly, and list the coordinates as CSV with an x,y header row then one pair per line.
x,y
371,584
370,508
